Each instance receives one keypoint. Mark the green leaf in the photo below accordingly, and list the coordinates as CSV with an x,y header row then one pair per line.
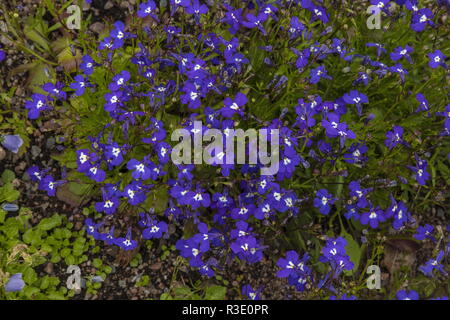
x,y
353,250
50,223
215,293
8,176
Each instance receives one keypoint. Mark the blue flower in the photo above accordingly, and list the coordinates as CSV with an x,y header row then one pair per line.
x,y
147,9
437,59
248,291
407,295
432,264
357,98
323,201
12,142
15,283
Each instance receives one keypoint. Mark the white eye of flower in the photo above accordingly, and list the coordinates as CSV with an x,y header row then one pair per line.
x,y
130,193
245,247
403,52
357,99
83,158
140,167
198,197
437,59
108,204
39,104
163,152
127,242
266,208
243,210
93,170
120,81
51,185
223,199
193,95
334,125
195,252
113,99
324,200
154,229
82,84
120,35
115,152
234,106
277,196
373,215
89,65
423,18
286,161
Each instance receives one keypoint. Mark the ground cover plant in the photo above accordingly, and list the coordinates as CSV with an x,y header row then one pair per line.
x,y
353,95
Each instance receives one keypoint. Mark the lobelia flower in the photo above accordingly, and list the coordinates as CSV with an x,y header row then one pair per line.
x,y
108,238
126,243
317,74
421,171
421,19
407,295
118,35
424,105
250,293
373,217
109,204
401,52
80,85
351,211
296,28
196,9
55,90
357,98
356,154
135,193
155,229
233,106
362,78
15,283
48,184
425,232
11,142
119,80
87,65
255,22
400,212
398,68
233,17
247,248
437,59
344,297
323,201
380,48
432,264
334,128
394,137
381,4
2,55
36,105
334,253
147,9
